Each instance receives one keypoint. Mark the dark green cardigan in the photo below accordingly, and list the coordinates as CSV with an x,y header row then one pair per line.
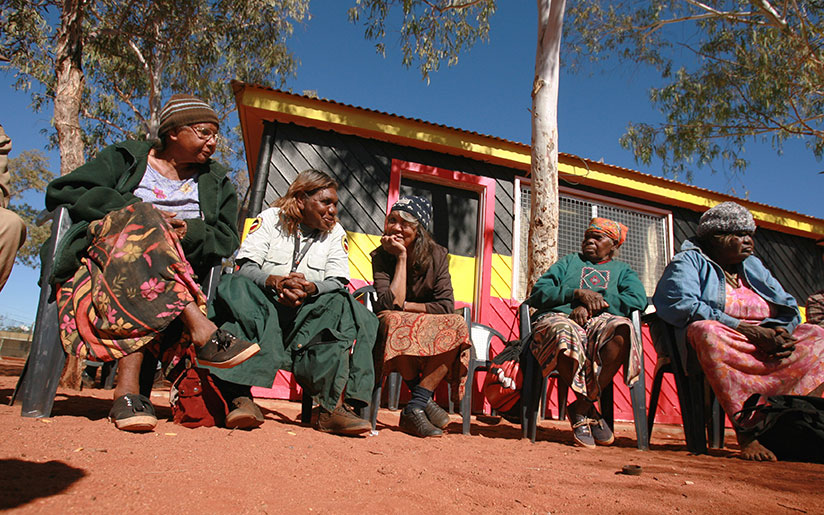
x,y
106,184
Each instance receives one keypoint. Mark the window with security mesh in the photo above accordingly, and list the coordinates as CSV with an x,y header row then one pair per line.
x,y
646,249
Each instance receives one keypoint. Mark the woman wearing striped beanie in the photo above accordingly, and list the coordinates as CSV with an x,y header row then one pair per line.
x,y
150,220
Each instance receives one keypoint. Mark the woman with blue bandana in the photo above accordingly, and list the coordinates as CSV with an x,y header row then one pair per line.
x,y
422,338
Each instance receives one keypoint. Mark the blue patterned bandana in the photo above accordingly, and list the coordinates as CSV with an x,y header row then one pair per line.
x,y
419,207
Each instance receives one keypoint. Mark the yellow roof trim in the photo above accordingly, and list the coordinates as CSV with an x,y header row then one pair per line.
x,y
330,115
676,194
347,119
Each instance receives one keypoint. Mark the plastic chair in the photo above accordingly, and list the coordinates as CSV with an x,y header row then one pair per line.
x,y
535,386
37,385
481,336
694,394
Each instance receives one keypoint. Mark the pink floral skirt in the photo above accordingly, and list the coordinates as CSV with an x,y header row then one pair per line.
x,y
736,369
132,283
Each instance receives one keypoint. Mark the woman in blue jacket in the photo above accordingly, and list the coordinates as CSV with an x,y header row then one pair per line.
x,y
742,324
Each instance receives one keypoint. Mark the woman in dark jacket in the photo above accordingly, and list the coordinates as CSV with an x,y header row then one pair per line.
x,y
422,337
146,218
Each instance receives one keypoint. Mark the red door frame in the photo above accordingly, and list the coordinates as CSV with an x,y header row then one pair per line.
x,y
485,187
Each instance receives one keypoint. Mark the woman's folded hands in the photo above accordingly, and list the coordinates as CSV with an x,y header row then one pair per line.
x,y
775,342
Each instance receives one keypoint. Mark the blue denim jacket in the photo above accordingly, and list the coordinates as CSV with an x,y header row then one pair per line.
x,y
693,288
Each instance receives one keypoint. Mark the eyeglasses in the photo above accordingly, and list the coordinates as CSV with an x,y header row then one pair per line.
x,y
204,133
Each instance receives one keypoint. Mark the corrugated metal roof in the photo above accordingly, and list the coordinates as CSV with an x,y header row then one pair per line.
x,y
569,159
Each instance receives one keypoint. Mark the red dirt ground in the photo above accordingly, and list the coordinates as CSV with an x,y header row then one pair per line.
x,y
78,462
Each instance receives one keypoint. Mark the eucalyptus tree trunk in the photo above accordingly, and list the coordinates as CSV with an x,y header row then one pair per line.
x,y
68,94
543,224
69,85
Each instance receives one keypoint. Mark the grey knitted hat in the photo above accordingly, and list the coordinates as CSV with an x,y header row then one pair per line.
x,y
185,110
726,217
419,207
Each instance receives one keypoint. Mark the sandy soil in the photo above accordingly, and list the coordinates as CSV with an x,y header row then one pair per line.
x,y
78,462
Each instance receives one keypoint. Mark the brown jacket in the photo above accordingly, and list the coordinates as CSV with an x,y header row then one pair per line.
x,y
435,290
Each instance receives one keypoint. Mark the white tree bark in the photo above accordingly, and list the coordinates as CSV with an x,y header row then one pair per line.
x,y
543,225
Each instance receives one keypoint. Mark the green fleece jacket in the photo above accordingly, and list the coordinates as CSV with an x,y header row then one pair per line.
x,y
106,184
614,280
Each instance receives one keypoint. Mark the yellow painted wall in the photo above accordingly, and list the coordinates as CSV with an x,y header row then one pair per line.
x,y
461,268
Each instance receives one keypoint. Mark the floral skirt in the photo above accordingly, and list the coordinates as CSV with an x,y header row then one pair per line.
x,y
422,335
132,283
555,334
736,369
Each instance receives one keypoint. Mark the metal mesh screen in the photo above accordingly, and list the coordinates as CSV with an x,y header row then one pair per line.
x,y
645,249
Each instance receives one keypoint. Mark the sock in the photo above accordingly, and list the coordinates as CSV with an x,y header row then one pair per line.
x,y
420,396
412,383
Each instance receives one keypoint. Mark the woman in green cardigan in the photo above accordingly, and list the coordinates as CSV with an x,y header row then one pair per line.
x,y
581,328
147,219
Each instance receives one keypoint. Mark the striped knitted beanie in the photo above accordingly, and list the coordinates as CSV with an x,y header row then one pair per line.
x,y
185,110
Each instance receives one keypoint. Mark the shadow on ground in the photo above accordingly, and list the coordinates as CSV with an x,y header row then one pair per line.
x,y
24,481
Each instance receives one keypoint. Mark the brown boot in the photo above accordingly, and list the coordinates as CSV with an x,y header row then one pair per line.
x,y
342,421
245,415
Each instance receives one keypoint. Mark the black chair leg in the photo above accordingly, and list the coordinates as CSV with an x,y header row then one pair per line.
x,y
37,385
563,397
306,408
376,404
466,402
717,425
653,396
394,391
530,397
608,406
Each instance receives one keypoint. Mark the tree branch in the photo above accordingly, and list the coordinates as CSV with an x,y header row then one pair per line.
x,y
776,20
444,8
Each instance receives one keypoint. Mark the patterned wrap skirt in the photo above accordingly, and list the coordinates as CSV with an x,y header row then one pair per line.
x,y
132,283
555,334
736,369
422,335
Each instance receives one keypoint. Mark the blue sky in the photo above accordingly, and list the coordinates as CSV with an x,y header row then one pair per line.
x,y
487,92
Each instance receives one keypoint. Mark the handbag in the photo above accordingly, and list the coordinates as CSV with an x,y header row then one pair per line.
x,y
791,426
194,397
504,381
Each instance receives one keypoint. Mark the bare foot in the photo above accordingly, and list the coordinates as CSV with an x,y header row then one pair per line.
x,y
754,451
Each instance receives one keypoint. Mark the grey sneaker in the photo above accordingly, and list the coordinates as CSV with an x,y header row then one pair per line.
x,y
601,432
581,431
225,350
